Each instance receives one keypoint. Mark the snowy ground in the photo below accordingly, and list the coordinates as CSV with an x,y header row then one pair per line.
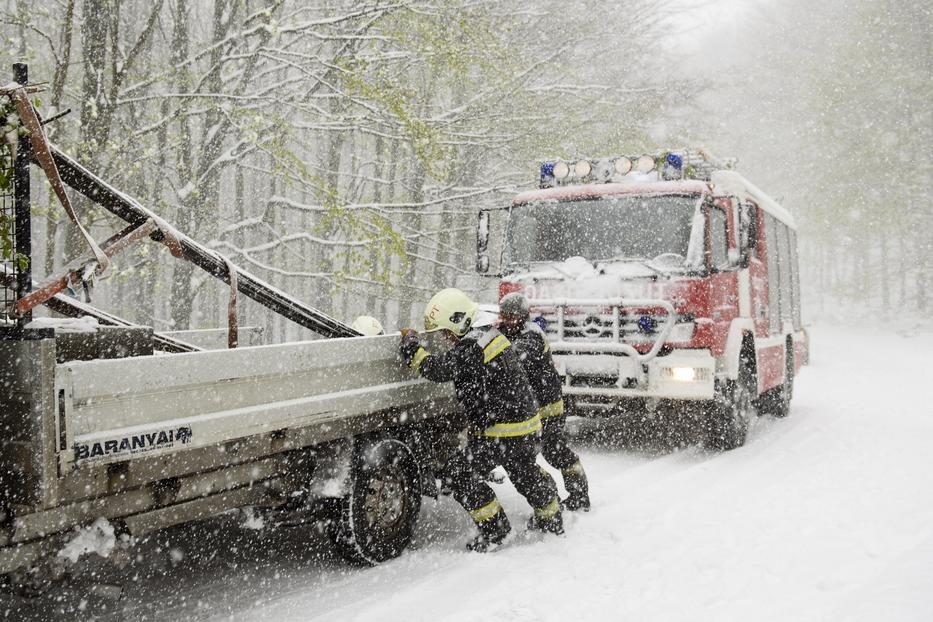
x,y
827,515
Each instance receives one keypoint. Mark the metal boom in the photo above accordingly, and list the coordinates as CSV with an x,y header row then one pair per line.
x,y
127,208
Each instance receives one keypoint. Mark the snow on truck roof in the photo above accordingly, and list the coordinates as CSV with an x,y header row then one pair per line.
x,y
730,183
593,191
722,183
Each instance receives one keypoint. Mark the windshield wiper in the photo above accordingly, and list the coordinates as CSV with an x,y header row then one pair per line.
x,y
640,260
551,264
623,258
657,271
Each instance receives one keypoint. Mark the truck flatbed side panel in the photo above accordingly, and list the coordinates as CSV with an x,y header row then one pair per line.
x,y
117,410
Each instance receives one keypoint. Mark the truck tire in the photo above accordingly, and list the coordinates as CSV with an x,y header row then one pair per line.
x,y
377,517
729,415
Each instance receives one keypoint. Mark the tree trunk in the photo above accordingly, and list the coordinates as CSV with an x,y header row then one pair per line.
x,y
413,224
184,216
95,33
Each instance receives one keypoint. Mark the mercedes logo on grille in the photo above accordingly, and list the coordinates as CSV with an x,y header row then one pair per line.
x,y
592,326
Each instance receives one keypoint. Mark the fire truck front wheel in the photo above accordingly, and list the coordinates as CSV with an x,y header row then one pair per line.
x,y
728,416
377,517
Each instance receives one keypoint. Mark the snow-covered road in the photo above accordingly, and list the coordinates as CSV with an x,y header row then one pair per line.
x,y
827,515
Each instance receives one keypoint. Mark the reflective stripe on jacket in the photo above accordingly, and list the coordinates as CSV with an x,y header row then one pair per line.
x,y
489,381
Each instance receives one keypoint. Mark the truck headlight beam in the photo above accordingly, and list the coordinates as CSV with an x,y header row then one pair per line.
x,y
683,374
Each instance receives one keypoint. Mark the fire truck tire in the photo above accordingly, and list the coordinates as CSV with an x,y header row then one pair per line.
x,y
729,415
377,517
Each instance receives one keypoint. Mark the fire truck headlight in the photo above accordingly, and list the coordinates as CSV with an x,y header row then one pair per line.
x,y
582,168
623,165
561,170
683,374
686,374
644,164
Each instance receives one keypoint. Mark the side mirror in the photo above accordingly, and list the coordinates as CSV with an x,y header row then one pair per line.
x,y
750,225
482,242
748,235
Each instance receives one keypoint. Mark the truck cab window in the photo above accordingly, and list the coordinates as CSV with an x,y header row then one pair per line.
x,y
774,273
786,284
795,277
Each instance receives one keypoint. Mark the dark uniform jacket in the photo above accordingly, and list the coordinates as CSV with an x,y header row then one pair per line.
x,y
535,355
489,381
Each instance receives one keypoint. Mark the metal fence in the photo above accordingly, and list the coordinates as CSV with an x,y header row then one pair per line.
x,y
10,271
16,273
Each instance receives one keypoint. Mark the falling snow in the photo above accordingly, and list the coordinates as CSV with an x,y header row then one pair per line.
x,y
712,207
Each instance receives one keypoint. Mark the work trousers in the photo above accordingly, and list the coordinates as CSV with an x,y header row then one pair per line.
x,y
559,455
554,445
466,475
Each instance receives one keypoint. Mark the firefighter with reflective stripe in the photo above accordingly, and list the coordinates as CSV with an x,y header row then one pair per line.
x,y
504,425
534,352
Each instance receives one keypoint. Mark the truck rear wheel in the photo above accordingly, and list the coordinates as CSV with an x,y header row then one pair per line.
x,y
729,415
377,518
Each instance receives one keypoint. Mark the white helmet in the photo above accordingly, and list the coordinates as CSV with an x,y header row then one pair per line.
x,y
451,309
367,325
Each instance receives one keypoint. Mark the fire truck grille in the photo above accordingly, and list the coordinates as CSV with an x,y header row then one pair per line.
x,y
634,327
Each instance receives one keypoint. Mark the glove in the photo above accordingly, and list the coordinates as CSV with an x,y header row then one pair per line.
x,y
409,343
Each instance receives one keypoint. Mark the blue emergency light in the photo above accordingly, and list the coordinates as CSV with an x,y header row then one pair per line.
x,y
647,324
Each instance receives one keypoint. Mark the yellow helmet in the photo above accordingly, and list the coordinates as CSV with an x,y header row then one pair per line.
x,y
367,326
451,309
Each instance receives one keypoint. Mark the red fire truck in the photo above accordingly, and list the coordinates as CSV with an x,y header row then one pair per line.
x,y
663,281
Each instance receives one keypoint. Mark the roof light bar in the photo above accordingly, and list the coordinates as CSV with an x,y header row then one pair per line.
x,y
670,165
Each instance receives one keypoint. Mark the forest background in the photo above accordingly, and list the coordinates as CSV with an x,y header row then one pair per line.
x,y
341,150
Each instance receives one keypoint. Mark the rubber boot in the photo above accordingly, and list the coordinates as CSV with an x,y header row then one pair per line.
x,y
492,533
553,523
576,484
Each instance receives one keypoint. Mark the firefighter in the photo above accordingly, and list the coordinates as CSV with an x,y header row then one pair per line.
x,y
367,326
503,423
534,352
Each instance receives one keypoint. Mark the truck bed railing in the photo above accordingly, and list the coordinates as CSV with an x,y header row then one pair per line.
x,y
111,410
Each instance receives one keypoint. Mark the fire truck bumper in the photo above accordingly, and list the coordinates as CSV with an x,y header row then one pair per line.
x,y
681,375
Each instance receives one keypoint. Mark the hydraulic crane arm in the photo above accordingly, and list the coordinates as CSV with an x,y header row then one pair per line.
x,y
130,210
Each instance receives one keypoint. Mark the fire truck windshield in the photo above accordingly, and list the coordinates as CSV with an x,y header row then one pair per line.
x,y
637,227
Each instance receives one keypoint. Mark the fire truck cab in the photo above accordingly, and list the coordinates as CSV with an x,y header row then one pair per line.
x,y
666,280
